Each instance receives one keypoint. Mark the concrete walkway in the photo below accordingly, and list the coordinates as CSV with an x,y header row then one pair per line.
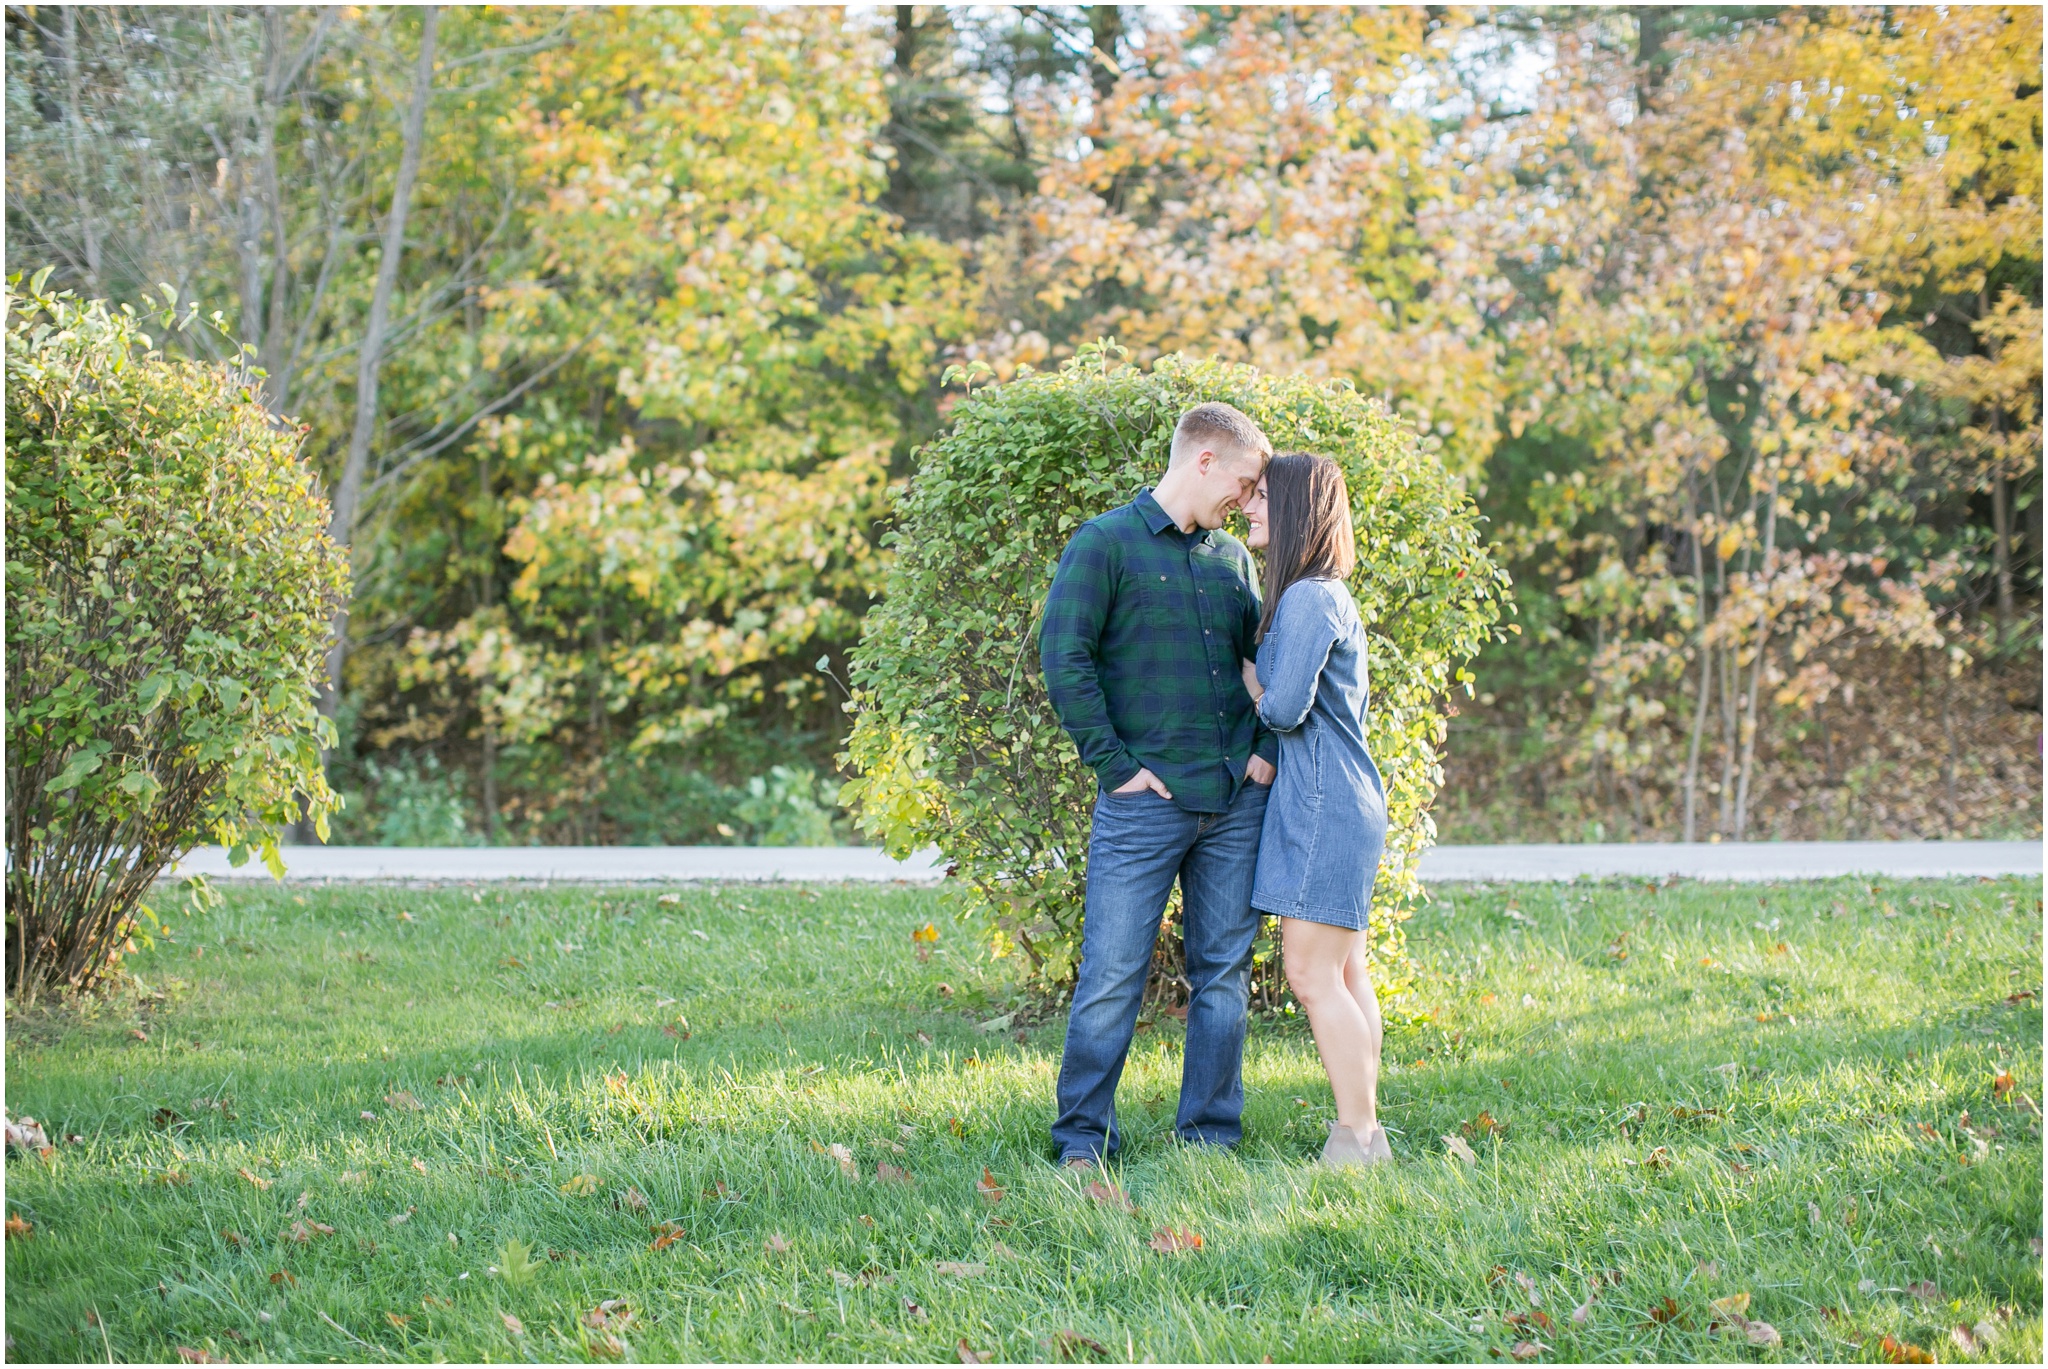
x,y
1443,864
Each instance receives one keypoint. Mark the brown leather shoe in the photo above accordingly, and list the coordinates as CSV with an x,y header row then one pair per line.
x,y
1078,1164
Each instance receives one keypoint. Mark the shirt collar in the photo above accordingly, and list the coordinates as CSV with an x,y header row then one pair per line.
x,y
1159,520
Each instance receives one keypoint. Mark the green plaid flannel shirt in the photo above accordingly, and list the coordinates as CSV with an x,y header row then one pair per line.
x,y
1143,631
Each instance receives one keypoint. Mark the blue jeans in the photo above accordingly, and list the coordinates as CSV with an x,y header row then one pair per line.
x,y
1139,843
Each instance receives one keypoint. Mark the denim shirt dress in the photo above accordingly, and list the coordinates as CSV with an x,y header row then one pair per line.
x,y
1326,822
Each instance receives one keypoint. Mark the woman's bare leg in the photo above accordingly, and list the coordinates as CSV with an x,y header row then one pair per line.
x,y
1345,1021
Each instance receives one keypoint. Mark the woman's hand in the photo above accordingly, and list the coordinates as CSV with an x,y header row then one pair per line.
x,y
1251,681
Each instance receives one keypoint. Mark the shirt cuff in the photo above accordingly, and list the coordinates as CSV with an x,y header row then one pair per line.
x,y
1266,746
1118,771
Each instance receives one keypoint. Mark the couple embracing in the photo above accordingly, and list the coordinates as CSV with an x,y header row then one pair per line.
x,y
1227,734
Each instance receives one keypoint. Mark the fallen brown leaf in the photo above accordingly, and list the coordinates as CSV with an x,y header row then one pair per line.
x,y
613,1314
285,1276
404,1102
1482,1125
666,1235
1528,1287
775,1244
1902,1352
259,1183
1069,1345
891,1174
1109,1195
512,1323
634,1199
1664,1313
1925,1290
398,1319
1964,1341
1526,1350
1175,1240
1761,1333
910,1308
1456,1146
960,1269
19,1228
987,1186
2001,1084
845,1159
968,1355
191,1356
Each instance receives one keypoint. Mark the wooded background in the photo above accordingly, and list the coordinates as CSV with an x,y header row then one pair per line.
x,y
611,332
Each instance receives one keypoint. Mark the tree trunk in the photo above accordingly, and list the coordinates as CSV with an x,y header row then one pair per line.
x,y
342,525
2001,549
1106,30
1756,669
1705,689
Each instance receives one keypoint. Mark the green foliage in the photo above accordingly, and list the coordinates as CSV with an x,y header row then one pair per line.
x,y
169,585
789,806
413,801
955,741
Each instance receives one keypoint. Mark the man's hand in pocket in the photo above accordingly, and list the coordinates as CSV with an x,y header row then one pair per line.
x,y
1140,782
1259,770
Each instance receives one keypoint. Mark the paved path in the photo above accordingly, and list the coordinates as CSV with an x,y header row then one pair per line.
x,y
668,864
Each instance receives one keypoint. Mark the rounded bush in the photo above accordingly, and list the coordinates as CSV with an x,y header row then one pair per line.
x,y
955,743
170,585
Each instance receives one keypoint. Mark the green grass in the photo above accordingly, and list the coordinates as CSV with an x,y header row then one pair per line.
x,y
527,1024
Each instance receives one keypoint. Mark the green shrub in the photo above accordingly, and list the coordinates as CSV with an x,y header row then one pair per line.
x,y
955,743
169,588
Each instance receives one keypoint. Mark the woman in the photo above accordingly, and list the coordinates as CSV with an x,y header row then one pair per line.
x,y
1326,821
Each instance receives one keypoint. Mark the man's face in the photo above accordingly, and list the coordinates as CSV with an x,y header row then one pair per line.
x,y
1226,480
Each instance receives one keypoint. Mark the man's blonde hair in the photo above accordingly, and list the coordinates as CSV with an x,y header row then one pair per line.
x,y
1217,427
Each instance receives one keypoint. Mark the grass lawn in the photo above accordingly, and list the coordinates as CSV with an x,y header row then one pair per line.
x,y
420,1124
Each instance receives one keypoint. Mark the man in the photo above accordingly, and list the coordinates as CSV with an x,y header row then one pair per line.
x,y
1150,613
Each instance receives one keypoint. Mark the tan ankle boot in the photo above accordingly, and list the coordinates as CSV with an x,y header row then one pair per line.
x,y
1376,1147
1342,1150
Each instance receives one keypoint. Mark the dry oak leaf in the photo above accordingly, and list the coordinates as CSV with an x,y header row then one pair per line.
x,y
259,1183
1175,1240
891,1174
285,1276
1109,1195
610,1315
1526,1350
512,1323
960,1269
1456,1146
911,1308
845,1159
1761,1333
968,1354
987,1186
1522,1321
1528,1286
775,1244
1584,1310
634,1199
666,1235
1483,1125
606,1346
19,1228
398,1319
1069,1345
1902,1352
191,1356
2001,1084
404,1102
1925,1290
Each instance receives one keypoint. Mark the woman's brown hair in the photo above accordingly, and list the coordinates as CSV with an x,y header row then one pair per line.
x,y
1308,526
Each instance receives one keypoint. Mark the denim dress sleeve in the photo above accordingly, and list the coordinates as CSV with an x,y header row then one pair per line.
x,y
1300,638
